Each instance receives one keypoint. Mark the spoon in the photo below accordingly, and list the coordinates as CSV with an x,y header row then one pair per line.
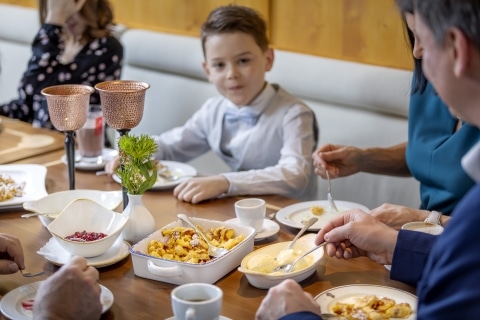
x,y
212,250
29,274
34,214
306,224
286,268
329,195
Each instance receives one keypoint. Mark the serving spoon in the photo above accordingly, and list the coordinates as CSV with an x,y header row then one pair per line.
x,y
214,251
286,268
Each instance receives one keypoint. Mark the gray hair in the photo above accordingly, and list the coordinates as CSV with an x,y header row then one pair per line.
x,y
441,15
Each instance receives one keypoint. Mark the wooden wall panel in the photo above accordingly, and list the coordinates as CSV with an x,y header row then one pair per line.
x,y
366,31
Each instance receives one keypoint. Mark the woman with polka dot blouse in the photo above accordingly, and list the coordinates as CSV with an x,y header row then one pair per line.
x,y
73,46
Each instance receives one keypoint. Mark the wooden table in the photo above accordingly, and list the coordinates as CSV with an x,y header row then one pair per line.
x,y
138,298
19,140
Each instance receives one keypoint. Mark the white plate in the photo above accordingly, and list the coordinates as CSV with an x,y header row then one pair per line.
x,y
270,228
54,253
107,155
220,318
294,214
327,298
182,170
11,304
34,177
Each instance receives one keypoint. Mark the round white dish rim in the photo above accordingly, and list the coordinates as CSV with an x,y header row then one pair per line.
x,y
54,253
9,302
107,155
327,297
270,228
293,214
185,171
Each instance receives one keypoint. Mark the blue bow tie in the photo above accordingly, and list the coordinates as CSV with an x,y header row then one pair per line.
x,y
243,115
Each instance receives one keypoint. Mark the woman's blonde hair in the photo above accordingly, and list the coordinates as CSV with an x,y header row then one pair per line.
x,y
97,13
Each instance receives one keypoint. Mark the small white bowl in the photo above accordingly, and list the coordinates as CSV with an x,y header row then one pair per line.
x,y
268,280
87,215
54,203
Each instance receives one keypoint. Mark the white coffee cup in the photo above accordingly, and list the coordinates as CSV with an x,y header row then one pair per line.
x,y
421,226
251,212
91,137
197,301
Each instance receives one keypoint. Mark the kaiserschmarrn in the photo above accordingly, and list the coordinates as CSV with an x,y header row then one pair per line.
x,y
9,188
183,244
371,307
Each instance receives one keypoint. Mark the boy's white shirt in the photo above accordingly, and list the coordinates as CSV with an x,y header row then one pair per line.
x,y
272,157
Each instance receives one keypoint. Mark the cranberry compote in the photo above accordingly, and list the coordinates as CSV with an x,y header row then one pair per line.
x,y
86,236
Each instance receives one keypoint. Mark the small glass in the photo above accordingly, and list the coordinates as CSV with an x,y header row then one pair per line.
x,y
91,137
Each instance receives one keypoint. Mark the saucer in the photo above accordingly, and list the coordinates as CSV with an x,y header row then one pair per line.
x,y
219,318
107,155
54,253
270,228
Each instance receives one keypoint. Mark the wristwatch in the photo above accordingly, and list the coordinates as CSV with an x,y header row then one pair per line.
x,y
434,217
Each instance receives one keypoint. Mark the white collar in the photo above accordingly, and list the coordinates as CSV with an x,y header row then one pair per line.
x,y
471,162
260,102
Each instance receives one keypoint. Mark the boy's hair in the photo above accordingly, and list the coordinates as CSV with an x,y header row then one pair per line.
x,y
235,18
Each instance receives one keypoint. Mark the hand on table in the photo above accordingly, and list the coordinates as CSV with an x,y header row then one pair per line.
x,y
11,254
341,161
286,298
198,189
70,293
356,233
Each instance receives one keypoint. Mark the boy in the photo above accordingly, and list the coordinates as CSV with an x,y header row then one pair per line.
x,y
263,134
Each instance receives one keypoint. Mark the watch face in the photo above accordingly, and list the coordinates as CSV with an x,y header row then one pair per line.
x,y
434,217
421,226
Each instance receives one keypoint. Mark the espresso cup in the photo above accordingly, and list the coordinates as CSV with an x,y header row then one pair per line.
x,y
421,226
251,212
91,137
197,301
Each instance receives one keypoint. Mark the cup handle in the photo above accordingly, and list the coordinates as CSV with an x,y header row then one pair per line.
x,y
190,314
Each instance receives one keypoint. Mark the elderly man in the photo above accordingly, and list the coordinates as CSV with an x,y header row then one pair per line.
x,y
449,32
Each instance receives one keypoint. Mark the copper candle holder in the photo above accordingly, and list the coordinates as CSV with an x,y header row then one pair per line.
x,y
122,104
68,107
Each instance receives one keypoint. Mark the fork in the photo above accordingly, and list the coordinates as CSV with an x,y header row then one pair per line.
x,y
329,194
29,274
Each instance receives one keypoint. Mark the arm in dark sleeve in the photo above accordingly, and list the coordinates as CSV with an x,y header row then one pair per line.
x,y
304,315
410,256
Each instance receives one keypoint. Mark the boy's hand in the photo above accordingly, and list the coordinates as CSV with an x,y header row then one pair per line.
x,y
195,190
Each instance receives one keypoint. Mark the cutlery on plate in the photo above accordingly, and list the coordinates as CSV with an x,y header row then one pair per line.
x,y
329,195
214,251
271,215
286,268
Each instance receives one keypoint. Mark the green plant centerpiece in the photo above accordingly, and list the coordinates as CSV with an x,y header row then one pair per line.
x,y
138,169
